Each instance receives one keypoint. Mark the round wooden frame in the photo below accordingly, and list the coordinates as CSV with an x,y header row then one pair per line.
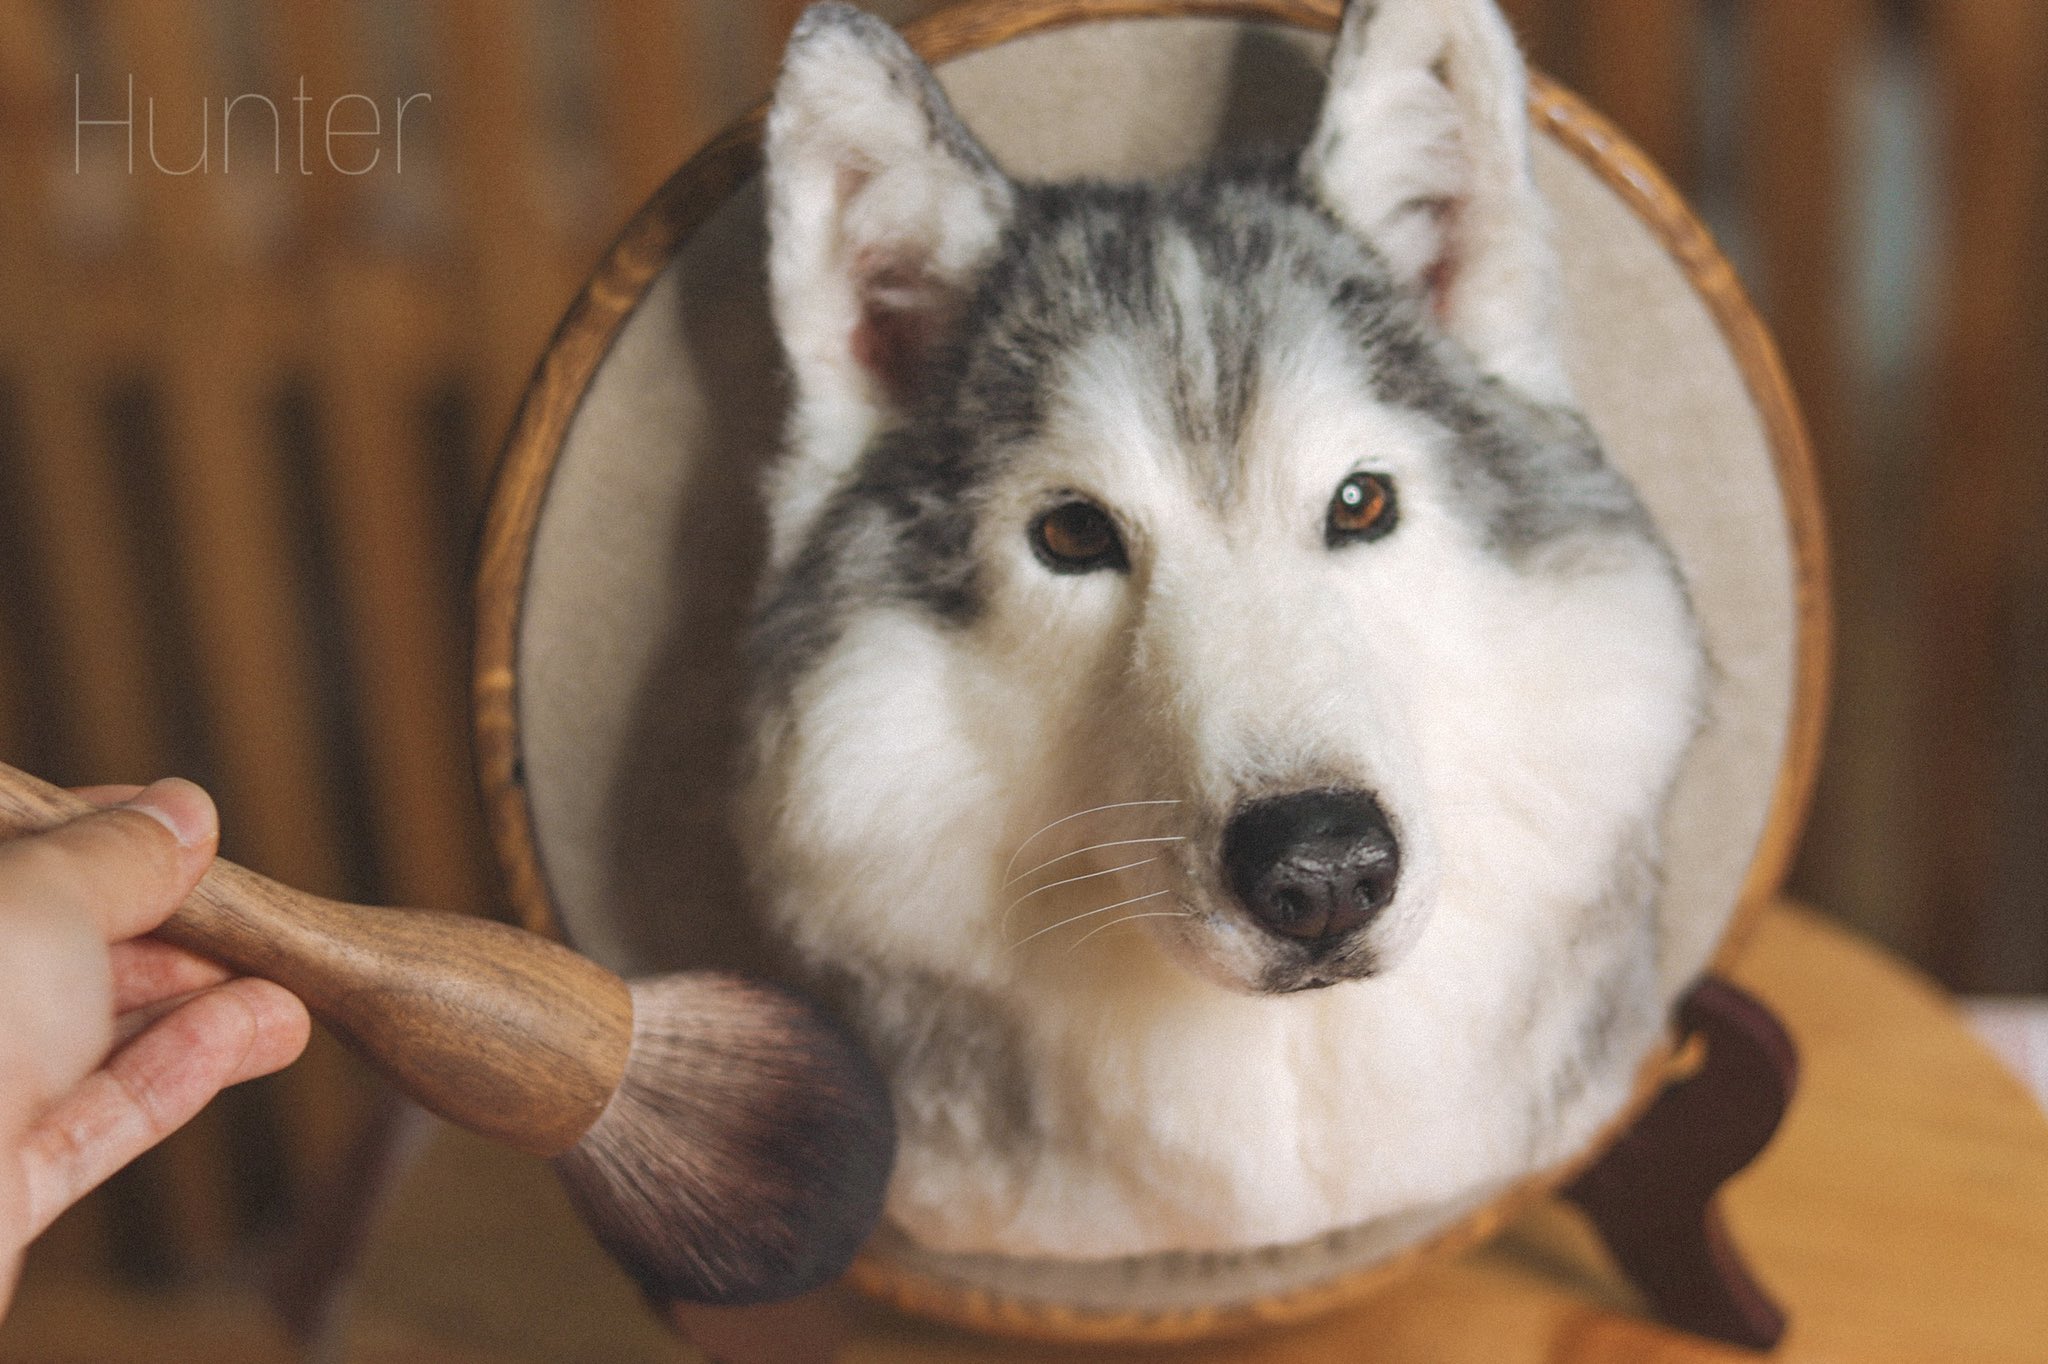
x,y
681,205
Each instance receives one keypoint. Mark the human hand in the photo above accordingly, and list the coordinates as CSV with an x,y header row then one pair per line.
x,y
110,1041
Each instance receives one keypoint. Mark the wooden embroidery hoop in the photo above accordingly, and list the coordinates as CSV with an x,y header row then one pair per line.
x,y
586,339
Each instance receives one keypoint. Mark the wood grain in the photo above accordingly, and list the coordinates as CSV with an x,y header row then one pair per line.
x,y
507,1034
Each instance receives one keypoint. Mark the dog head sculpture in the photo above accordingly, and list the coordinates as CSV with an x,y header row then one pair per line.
x,y
1192,594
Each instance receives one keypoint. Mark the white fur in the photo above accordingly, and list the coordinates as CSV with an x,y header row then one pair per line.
x,y
1189,1116
1521,728
1423,146
862,210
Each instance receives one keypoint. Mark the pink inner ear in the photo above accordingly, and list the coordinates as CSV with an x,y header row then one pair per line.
x,y
1437,279
891,345
904,315
848,182
1442,273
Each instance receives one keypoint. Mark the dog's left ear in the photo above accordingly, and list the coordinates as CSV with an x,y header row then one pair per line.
x,y
882,212
1423,149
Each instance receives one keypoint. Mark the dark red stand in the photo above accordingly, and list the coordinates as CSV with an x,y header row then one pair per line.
x,y
1652,1195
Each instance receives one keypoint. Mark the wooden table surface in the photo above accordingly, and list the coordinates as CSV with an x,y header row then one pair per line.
x,y
1901,1215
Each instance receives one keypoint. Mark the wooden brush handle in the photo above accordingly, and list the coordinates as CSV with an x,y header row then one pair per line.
x,y
491,1027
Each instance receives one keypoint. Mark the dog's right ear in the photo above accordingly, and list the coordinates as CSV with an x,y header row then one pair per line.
x,y
882,211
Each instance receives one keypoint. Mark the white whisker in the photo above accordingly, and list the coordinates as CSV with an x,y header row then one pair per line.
x,y
1092,847
1154,914
1003,924
1092,810
1089,915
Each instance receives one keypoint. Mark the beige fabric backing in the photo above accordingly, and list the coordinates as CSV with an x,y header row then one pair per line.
x,y
645,553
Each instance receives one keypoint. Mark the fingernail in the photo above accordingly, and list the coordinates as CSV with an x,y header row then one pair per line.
x,y
179,806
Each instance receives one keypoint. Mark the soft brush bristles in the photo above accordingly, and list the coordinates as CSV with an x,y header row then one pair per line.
x,y
744,1157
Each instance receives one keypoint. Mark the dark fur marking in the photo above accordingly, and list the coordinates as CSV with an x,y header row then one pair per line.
x,y
1607,965
952,1048
1085,259
1528,475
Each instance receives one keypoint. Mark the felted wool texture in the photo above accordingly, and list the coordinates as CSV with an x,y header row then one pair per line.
x,y
1512,674
645,554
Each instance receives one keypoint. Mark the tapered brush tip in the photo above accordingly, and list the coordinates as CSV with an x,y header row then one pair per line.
x,y
745,1155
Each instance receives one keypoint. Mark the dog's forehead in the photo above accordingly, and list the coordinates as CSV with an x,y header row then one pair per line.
x,y
1234,293
1171,305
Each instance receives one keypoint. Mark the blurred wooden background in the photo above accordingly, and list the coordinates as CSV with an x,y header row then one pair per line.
x,y
247,417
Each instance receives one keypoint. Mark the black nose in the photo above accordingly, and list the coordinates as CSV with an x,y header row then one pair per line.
x,y
1312,866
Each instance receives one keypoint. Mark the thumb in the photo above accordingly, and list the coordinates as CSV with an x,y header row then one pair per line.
x,y
124,869
64,895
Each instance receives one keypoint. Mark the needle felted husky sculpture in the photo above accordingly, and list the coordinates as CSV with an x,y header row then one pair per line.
x,y
1212,701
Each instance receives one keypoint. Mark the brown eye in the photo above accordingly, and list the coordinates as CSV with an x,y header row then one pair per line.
x,y
1363,509
1077,537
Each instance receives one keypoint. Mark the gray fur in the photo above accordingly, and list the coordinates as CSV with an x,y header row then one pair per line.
x,y
1612,954
907,74
955,1047
1079,260
1529,475
1243,307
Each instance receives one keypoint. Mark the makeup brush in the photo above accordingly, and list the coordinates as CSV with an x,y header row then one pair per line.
x,y
722,1139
